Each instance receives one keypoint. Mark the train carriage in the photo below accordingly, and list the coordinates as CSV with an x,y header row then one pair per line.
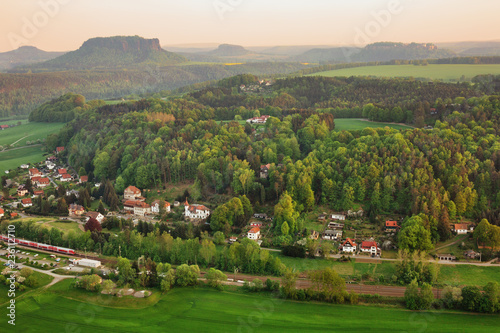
x,y
38,245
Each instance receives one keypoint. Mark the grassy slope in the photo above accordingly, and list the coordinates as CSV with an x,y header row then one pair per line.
x,y
14,158
43,279
32,132
359,124
440,72
204,310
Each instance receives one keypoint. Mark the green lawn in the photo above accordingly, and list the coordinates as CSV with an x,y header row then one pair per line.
x,y
14,158
468,274
434,72
28,132
43,279
206,310
360,124
66,226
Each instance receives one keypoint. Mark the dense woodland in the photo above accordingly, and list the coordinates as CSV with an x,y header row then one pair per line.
x,y
440,175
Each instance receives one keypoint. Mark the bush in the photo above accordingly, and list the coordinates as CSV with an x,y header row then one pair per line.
x,y
294,251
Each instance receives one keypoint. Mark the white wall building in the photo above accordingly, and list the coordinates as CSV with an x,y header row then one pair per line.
x,y
196,211
254,233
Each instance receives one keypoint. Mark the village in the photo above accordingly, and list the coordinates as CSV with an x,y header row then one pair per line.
x,y
347,232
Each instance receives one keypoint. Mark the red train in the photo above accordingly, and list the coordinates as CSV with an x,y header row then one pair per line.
x,y
40,246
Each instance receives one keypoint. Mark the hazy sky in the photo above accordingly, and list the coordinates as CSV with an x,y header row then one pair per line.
x,y
61,25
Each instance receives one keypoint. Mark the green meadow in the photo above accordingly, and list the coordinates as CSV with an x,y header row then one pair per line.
x,y
348,124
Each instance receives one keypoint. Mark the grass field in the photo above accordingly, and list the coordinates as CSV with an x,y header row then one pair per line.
x,y
43,279
14,158
27,132
66,226
434,72
206,310
360,124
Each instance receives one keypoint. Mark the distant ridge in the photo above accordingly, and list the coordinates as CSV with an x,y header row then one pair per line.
x,y
25,55
111,53
228,50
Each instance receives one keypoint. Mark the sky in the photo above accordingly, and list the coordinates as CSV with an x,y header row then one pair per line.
x,y
63,25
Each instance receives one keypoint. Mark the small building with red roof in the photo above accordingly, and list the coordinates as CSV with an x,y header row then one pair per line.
x,y
2,213
66,177
348,246
462,228
59,150
26,202
38,192
391,226
61,171
370,247
84,179
254,233
34,173
43,182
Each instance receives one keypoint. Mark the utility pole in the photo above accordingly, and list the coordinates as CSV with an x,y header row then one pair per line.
x,y
120,250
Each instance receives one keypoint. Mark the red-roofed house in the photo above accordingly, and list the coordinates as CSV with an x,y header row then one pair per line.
x,y
2,127
38,192
137,207
196,211
94,215
370,247
76,210
34,173
131,193
462,228
59,150
254,233
2,212
264,170
61,171
27,202
348,246
14,214
391,226
256,224
84,179
43,182
258,120
66,177
155,207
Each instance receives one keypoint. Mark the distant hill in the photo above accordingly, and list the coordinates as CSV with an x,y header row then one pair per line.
x,y
112,53
384,51
25,55
228,50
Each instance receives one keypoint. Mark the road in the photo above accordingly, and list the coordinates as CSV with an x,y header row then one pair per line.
x,y
6,150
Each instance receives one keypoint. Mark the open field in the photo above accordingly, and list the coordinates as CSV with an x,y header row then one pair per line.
x,y
27,132
349,124
206,310
434,72
14,158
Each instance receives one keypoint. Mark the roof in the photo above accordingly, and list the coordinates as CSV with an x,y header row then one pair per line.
x,y
66,176
26,201
14,214
75,207
349,241
94,215
391,223
132,189
84,179
195,207
1,211
267,166
134,203
59,149
61,171
369,244
461,226
38,192
157,202
254,230
34,170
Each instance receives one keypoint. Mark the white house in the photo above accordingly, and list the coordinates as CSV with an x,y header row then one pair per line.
x,y
254,233
196,211
132,193
155,207
96,215
26,202
338,216
462,228
2,212
137,207
348,246
332,234
370,247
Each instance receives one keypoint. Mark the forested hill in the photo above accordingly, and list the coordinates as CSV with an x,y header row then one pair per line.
x,y
25,55
375,52
109,53
450,171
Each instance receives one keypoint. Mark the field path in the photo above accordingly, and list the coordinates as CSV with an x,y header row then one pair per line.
x,y
19,140
6,150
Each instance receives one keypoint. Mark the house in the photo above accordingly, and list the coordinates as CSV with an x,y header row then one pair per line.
x,y
66,177
132,193
34,173
254,233
27,202
94,215
391,226
22,191
433,111
196,211
332,234
61,171
258,120
43,182
348,246
335,225
73,192
137,207
50,165
2,213
13,215
462,228
84,179
25,166
264,170
2,127
322,217
370,247
256,224
338,216
471,254
59,150
155,207
446,257
260,216
314,235
232,239
76,210
38,192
